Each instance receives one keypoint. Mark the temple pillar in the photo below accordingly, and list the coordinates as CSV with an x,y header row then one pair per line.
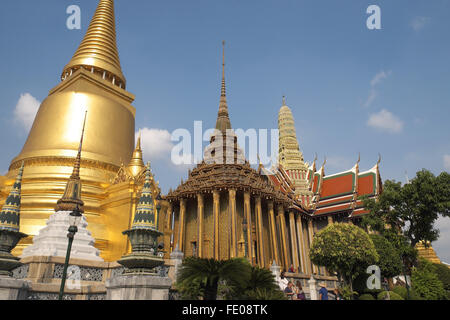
x,y
302,246
232,206
200,211
259,231
167,229
294,247
216,208
182,224
273,233
311,237
283,236
248,216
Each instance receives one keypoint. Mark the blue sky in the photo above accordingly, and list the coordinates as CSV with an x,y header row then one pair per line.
x,y
350,89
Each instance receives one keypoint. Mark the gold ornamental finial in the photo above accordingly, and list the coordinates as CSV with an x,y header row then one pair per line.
x,y
223,120
136,164
71,198
98,50
76,167
284,101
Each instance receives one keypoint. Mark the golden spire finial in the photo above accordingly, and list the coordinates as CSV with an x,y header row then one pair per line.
x,y
136,164
71,198
223,120
76,167
99,48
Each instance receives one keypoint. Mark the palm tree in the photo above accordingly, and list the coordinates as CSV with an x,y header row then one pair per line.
x,y
261,285
209,272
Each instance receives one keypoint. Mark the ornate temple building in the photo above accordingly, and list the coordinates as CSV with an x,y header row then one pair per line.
x,y
224,209
111,172
227,209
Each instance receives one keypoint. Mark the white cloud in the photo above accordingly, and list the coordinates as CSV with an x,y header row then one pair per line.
x,y
447,162
370,98
26,109
156,143
419,23
377,79
157,146
385,121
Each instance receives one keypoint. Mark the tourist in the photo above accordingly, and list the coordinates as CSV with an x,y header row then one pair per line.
x,y
300,295
283,282
323,292
288,291
337,294
292,269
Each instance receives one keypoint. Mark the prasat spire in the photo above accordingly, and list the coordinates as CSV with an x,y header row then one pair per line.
x,y
72,194
223,120
144,217
98,49
10,214
290,155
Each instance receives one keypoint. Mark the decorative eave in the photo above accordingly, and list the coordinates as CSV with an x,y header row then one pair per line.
x,y
208,177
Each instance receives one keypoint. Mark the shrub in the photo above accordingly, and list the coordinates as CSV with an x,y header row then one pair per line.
x,y
426,283
366,296
392,295
443,273
403,292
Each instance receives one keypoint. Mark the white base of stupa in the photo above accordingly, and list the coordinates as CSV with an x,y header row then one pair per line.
x,y
52,240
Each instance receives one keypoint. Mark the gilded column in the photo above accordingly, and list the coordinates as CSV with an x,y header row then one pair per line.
x,y
232,206
311,236
248,216
200,209
302,246
216,208
294,246
259,231
182,224
273,233
283,235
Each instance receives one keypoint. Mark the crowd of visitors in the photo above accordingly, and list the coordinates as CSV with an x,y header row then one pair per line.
x,y
295,291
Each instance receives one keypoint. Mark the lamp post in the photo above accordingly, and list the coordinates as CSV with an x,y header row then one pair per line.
x,y
74,220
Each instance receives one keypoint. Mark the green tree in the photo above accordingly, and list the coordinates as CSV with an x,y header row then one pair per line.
x,y
426,283
345,249
208,273
410,210
389,261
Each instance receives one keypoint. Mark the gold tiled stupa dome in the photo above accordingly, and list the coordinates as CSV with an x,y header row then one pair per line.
x,y
92,81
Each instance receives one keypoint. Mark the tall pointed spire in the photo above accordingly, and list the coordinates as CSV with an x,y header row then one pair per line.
x,y
223,120
72,194
136,163
99,48
10,214
144,217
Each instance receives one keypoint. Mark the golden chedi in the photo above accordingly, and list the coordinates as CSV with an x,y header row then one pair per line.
x,y
92,81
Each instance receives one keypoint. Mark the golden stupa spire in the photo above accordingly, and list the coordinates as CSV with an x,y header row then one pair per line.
x,y
223,120
72,194
136,164
98,50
